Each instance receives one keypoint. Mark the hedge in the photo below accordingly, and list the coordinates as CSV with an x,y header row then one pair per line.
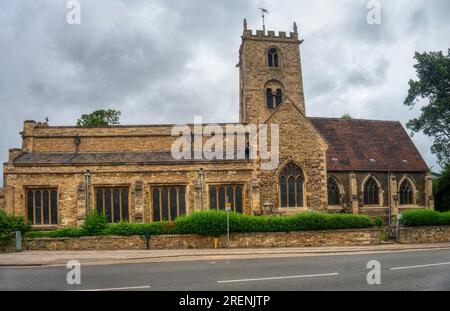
x,y
213,223
9,224
424,217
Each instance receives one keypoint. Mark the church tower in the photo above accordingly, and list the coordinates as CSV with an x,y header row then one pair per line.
x,y
269,72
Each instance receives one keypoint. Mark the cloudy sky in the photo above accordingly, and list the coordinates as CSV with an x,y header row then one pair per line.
x,y
166,61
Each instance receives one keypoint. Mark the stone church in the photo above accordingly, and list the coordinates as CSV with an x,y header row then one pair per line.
x,y
334,165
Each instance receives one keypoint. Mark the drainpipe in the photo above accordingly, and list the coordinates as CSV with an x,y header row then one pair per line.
x,y
201,173
87,176
389,197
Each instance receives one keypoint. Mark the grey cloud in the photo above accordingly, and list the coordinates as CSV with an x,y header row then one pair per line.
x,y
145,58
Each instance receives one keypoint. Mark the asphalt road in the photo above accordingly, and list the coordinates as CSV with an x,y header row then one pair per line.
x,y
418,270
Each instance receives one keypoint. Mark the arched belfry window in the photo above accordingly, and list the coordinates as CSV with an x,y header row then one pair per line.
x,y
333,192
273,58
405,193
371,192
269,98
278,97
274,99
291,186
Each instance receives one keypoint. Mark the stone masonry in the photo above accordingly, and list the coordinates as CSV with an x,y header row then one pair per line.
x,y
75,161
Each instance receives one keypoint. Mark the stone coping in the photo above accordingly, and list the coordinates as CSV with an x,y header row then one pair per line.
x,y
196,235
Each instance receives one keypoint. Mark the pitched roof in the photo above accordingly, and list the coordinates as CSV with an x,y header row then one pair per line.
x,y
369,145
100,158
354,145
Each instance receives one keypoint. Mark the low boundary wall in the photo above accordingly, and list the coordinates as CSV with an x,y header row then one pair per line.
x,y
237,240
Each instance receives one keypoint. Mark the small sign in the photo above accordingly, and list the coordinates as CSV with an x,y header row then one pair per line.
x,y
228,206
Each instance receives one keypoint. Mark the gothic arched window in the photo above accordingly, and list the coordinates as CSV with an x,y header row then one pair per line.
x,y
278,97
274,99
291,186
333,192
371,192
272,57
406,193
269,98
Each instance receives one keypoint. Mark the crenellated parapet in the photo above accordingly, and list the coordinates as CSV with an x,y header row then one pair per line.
x,y
270,35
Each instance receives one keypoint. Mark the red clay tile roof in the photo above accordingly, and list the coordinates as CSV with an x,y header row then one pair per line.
x,y
353,143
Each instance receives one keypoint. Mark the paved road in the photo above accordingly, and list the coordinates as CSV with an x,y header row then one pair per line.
x,y
418,270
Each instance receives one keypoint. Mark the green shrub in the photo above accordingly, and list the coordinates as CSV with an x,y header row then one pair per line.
x,y
378,222
441,190
127,229
424,217
384,236
9,224
95,224
65,232
213,223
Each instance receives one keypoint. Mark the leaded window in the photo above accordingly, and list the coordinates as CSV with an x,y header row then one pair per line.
x,y
274,99
269,98
291,186
168,202
278,97
113,203
42,206
333,192
406,193
371,192
221,194
272,58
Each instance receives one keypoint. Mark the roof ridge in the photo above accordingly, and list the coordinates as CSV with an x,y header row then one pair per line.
x,y
354,119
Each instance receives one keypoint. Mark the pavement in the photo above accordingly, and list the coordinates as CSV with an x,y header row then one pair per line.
x,y
105,257
373,268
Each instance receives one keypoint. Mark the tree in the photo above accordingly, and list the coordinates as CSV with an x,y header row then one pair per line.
x,y
433,85
100,118
346,116
441,190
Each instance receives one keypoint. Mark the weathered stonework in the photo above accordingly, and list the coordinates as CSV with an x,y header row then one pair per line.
x,y
436,234
2,199
138,158
237,240
255,74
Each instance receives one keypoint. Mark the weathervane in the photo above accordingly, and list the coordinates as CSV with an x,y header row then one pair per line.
x,y
263,11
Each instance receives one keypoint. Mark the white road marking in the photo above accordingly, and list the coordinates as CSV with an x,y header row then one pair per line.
x,y
421,266
112,289
279,278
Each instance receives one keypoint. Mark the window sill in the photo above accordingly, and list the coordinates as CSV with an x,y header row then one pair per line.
x,y
335,207
292,209
374,207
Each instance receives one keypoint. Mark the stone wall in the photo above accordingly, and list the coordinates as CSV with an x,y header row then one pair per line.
x,y
308,151
256,75
7,246
436,234
2,200
85,243
71,187
237,240
352,198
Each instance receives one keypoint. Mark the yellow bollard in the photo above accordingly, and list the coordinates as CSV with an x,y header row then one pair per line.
x,y
216,242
